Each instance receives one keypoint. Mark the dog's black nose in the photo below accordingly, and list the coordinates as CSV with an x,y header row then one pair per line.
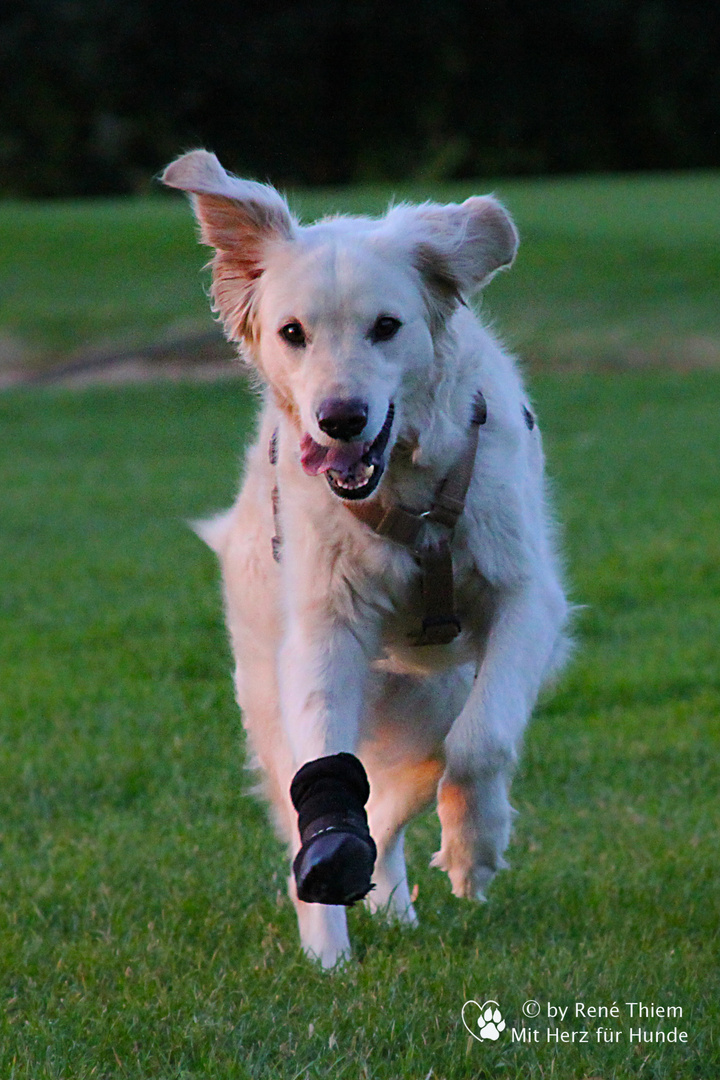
x,y
342,418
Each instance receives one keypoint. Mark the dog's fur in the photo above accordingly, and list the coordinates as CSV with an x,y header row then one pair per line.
x,y
321,638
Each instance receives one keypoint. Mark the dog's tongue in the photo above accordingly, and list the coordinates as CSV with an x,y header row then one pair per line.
x,y
342,457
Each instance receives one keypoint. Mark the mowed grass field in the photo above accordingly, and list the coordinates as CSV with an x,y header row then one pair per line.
x,y
144,926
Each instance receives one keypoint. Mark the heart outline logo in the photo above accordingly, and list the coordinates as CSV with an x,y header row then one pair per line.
x,y
481,1012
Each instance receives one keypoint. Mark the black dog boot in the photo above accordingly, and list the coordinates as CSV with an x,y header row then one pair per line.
x,y
337,857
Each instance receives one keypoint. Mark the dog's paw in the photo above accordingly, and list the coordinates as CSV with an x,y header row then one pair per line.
x,y
334,868
472,840
328,955
395,907
323,932
469,879
335,862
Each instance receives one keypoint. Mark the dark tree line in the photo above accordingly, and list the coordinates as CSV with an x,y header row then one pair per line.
x,y
96,95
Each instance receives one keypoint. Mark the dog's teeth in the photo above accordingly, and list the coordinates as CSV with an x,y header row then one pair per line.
x,y
363,474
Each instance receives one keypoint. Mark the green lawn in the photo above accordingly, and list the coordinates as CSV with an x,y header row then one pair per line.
x,y
612,271
144,928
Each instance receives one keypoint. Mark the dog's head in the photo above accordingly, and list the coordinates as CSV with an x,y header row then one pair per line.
x,y
340,318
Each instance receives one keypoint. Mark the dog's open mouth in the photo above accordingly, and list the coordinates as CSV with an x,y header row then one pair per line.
x,y
352,469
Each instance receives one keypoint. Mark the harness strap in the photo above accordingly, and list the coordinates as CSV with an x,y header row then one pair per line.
x,y
276,539
449,501
440,624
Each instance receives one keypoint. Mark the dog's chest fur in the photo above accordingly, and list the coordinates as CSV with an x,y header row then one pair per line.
x,y
373,578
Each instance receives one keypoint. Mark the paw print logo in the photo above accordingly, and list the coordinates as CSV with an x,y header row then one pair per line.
x,y
489,1021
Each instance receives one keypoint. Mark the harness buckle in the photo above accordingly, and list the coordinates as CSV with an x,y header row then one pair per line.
x,y
438,630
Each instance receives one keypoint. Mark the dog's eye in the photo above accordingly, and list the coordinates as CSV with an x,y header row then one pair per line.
x,y
294,334
384,327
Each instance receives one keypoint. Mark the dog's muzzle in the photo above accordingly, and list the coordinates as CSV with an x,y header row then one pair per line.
x,y
352,469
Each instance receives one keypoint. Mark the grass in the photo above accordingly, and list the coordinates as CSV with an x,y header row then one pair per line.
x,y
613,271
144,928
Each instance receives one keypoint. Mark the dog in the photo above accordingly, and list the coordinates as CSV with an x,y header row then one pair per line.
x,y
392,586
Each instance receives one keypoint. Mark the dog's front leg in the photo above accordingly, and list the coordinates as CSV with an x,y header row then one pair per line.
x,y
481,747
323,675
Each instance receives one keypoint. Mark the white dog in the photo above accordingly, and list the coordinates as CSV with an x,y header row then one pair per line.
x,y
392,591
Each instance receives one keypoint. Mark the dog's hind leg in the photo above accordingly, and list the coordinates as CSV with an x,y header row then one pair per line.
x,y
391,894
410,717
398,793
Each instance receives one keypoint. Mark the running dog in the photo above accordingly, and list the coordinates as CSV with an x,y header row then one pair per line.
x,y
391,583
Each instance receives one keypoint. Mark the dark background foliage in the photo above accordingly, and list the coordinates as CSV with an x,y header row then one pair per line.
x,y
96,95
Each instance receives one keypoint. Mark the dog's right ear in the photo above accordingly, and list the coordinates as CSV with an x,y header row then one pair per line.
x,y
239,219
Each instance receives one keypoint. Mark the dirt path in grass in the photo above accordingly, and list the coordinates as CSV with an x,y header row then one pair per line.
x,y
205,358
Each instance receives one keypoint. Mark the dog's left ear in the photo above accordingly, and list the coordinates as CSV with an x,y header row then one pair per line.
x,y
240,219
470,241
456,248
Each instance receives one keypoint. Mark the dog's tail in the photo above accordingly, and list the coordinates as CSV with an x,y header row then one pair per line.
x,y
213,530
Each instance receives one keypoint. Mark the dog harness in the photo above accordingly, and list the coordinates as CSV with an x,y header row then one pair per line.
x,y
440,623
